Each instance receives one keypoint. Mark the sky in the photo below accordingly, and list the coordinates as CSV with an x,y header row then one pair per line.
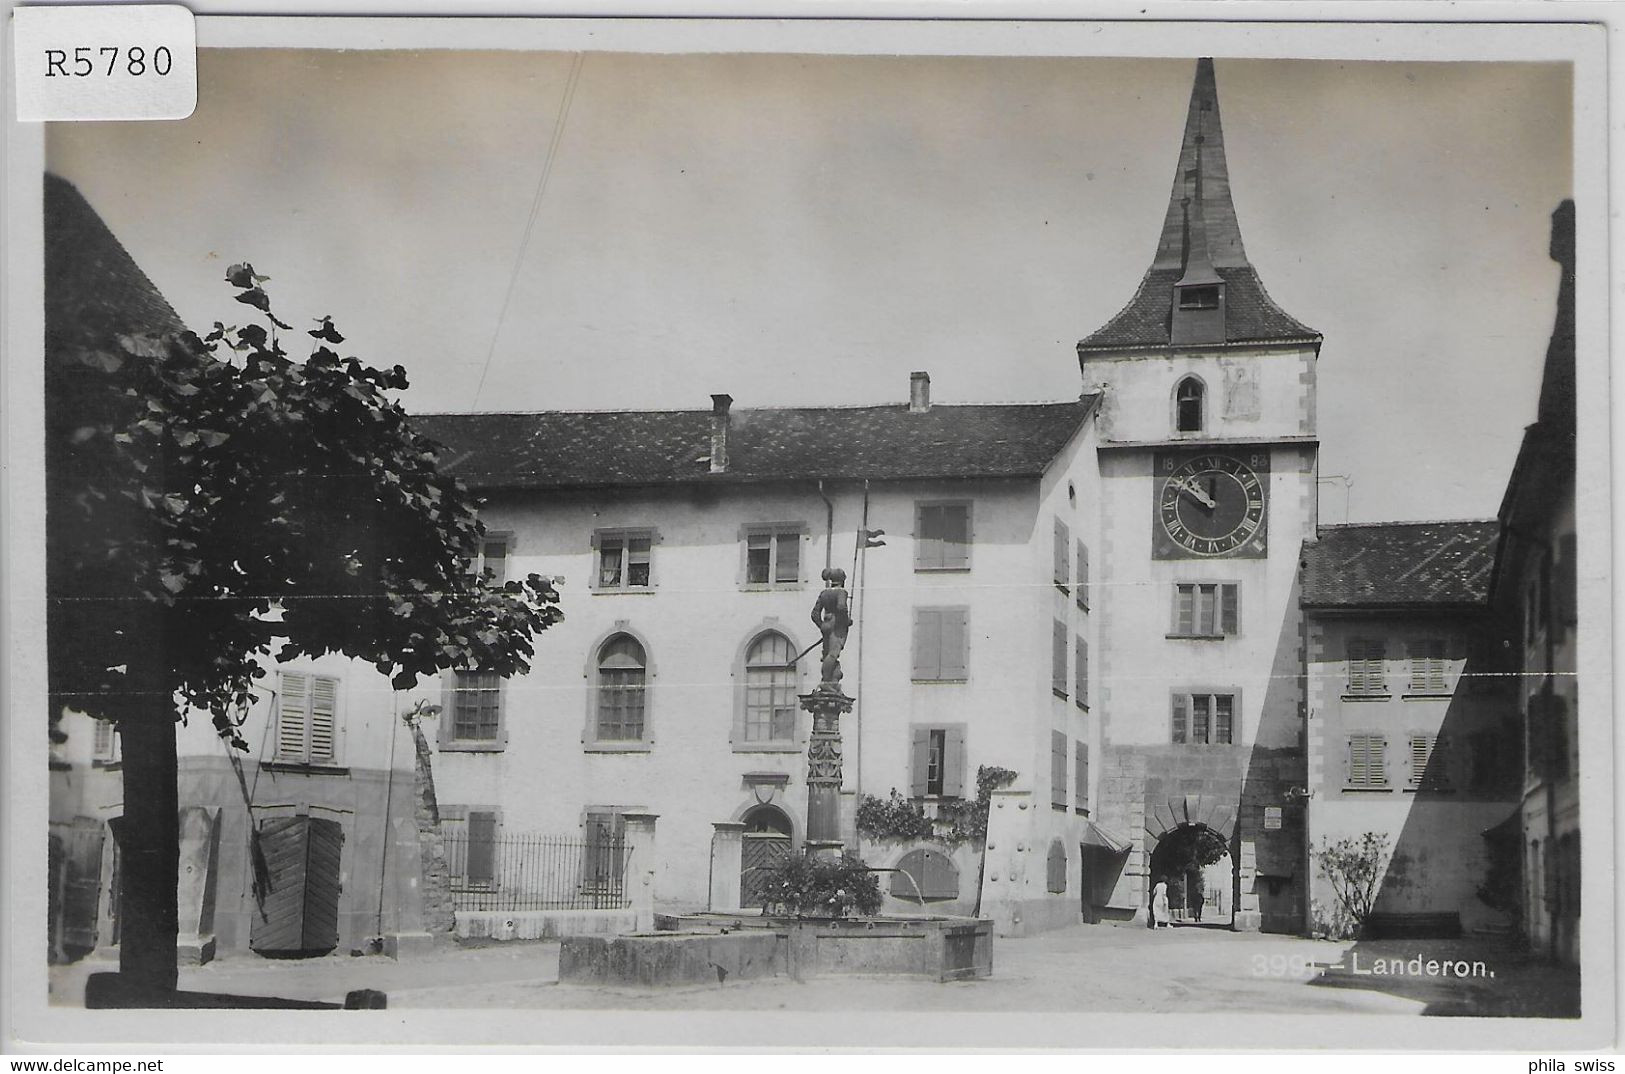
x,y
807,230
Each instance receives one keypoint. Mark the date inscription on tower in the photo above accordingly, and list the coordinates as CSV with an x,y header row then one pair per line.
x,y
1212,503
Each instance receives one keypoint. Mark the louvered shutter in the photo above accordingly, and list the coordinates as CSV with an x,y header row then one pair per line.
x,y
323,719
1230,613
482,835
1063,547
1057,769
955,544
953,763
1057,671
1366,761
1427,666
1083,575
919,760
1184,609
293,717
928,542
955,659
1080,674
1080,792
927,643
1179,718
1367,666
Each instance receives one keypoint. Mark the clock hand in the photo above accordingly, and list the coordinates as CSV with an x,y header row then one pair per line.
x,y
1190,489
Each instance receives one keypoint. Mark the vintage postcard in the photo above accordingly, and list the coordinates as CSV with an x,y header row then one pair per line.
x,y
744,533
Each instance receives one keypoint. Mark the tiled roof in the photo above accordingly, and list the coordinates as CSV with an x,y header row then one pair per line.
x,y
1200,231
564,449
94,290
1250,314
1399,564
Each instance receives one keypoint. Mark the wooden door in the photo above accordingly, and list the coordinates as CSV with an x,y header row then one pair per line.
x,y
301,912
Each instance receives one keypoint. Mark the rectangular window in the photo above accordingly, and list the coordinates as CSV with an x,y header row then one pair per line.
x,y
1057,671
1063,556
476,706
1080,786
1080,688
490,560
1082,590
941,644
773,556
942,537
1368,667
937,761
1203,719
623,559
1427,666
307,709
1058,749
603,865
1428,763
1367,761
1206,609
1205,297
104,745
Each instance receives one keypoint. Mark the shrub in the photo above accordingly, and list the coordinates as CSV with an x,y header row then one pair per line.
x,y
807,886
1355,868
958,820
893,818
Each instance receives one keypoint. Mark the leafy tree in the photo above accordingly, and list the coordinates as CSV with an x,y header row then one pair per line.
x,y
213,503
1355,867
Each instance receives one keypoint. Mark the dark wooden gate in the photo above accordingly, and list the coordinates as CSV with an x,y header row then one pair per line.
x,y
760,849
301,913
83,891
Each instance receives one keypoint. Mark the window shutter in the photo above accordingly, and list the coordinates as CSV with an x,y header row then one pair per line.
x,y
919,757
1566,581
956,535
1083,575
1230,608
1057,769
1063,545
928,537
1057,674
482,835
1179,718
293,717
955,648
323,719
1368,672
1427,666
496,560
1184,609
927,643
1081,672
953,763
1080,787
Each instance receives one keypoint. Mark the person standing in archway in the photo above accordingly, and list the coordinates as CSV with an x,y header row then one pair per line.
x,y
1159,905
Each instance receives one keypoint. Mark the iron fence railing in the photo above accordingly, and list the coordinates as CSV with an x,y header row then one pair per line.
x,y
536,872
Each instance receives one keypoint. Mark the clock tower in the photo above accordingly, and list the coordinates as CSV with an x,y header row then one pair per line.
x,y
1207,454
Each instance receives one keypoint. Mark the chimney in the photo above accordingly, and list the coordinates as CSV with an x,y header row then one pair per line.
x,y
719,432
919,392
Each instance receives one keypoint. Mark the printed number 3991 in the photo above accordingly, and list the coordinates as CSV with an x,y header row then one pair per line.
x,y
86,61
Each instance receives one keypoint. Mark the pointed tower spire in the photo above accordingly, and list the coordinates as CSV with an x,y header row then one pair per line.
x,y
1200,289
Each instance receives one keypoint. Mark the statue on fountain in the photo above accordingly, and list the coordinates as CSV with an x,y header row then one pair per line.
x,y
833,616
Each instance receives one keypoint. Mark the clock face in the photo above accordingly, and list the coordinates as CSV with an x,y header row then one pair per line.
x,y
1211,504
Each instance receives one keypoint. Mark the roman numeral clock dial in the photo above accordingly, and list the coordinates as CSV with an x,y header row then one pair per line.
x,y
1211,504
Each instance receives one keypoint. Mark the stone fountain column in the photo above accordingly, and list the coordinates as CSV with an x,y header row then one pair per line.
x,y
824,770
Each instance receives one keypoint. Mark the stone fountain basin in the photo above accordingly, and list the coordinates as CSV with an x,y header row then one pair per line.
x,y
706,948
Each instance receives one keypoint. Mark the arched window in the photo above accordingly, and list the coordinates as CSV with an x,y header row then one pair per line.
x,y
1188,406
622,669
770,689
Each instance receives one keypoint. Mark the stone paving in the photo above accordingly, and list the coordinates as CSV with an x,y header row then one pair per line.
x,y
1083,968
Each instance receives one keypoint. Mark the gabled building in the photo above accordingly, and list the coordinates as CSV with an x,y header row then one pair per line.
x,y
1536,586
689,547
1413,729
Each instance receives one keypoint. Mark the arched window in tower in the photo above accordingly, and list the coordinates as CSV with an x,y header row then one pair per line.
x,y
770,689
622,669
1188,406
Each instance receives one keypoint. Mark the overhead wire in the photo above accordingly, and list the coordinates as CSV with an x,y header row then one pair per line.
x,y
559,122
